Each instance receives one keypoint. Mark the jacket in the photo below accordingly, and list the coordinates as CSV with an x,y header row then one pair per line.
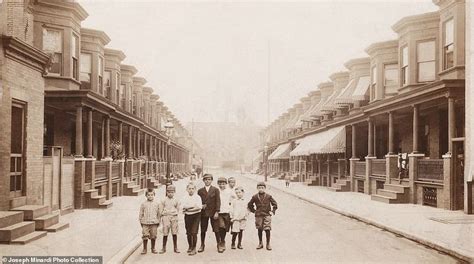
x,y
211,199
262,206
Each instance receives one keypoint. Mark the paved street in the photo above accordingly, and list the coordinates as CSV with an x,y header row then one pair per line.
x,y
303,232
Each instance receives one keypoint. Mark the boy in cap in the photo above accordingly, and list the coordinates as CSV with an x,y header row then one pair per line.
x,y
264,204
211,204
224,212
149,217
169,208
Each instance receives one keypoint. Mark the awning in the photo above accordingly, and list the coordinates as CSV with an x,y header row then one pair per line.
x,y
281,152
357,92
332,140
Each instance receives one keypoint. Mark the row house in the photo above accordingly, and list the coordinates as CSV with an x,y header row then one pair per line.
x,y
79,127
392,125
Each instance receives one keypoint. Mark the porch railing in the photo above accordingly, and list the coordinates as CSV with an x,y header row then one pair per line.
x,y
378,168
100,170
360,168
430,170
115,170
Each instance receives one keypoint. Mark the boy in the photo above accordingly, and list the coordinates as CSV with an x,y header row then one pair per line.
x,y
264,204
232,186
224,212
238,216
192,206
149,217
169,208
211,204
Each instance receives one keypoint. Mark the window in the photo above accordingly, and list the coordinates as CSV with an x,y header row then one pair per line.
x,y
134,105
404,64
17,149
52,44
100,73
118,93
391,78
107,83
130,102
373,83
425,56
448,47
75,56
86,70
122,95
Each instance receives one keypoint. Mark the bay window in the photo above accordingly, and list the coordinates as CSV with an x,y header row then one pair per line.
x,y
107,83
117,89
86,70
100,76
373,83
448,44
425,56
390,78
404,66
75,56
53,45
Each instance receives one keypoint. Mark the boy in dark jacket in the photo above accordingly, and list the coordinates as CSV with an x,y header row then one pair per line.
x,y
211,204
264,204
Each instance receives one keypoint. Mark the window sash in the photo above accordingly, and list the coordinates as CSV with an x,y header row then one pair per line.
x,y
391,75
426,71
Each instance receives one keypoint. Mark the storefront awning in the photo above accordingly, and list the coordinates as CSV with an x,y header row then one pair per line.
x,y
281,152
332,140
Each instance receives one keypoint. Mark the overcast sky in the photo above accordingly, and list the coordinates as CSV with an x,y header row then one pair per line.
x,y
207,60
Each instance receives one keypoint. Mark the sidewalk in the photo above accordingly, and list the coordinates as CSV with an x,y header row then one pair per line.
x,y
92,232
451,232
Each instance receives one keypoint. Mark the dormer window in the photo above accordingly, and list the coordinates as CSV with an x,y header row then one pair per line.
x,y
52,45
448,44
107,84
404,66
426,61
86,70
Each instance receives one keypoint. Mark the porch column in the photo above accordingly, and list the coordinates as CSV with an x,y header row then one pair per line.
x,y
391,134
130,142
107,136
102,139
354,136
89,134
145,144
416,121
370,150
120,133
451,124
79,151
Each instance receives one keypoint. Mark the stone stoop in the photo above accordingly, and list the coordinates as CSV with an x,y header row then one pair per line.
x,y
132,189
312,181
94,200
281,175
341,185
152,183
294,178
42,216
14,230
392,194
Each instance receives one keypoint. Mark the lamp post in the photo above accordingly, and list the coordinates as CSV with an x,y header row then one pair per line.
x,y
169,131
265,154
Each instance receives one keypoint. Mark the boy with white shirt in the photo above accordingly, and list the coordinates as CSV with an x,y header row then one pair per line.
x,y
226,197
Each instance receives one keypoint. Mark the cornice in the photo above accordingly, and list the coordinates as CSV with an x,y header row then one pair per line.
x,y
20,51
414,20
113,53
70,6
101,35
357,62
377,46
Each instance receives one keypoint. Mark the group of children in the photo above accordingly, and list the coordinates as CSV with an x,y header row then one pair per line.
x,y
224,207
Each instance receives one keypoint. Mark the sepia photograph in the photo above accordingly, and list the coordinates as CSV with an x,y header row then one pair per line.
x,y
236,131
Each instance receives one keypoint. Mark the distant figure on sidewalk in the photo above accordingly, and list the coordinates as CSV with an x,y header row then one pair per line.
x,y
192,206
238,216
264,204
169,208
149,218
211,204
287,180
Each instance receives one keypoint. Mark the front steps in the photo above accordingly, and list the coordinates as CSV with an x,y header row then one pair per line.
x,y
341,185
132,189
310,182
94,200
42,217
13,230
392,194
152,183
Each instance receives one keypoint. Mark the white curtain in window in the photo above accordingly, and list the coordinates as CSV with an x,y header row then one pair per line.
x,y
52,41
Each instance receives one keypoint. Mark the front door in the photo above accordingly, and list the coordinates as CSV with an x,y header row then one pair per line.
x,y
17,159
458,181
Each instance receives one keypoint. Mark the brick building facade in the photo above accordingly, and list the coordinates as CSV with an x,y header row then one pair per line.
x,y
77,127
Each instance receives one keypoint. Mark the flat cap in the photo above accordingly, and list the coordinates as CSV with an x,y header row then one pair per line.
x,y
206,176
261,184
222,179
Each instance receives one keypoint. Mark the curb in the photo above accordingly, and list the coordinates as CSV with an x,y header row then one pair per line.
x,y
414,238
127,251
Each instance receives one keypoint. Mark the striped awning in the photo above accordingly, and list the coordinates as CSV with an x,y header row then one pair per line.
x,y
281,152
332,140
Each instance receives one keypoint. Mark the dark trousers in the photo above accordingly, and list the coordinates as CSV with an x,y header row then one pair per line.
x,y
191,223
205,223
